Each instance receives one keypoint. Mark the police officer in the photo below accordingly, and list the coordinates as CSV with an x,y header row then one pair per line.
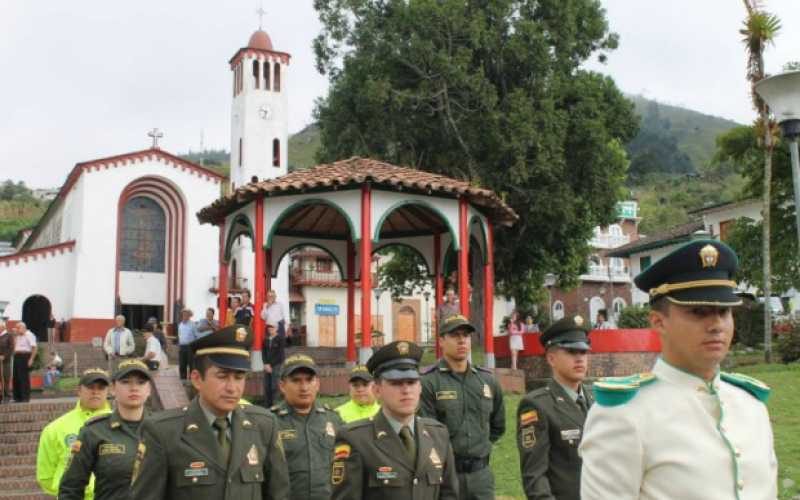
x,y
394,455
686,430
307,429
106,445
550,419
58,436
362,402
469,401
216,448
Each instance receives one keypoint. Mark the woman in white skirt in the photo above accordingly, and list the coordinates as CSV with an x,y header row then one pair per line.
x,y
515,329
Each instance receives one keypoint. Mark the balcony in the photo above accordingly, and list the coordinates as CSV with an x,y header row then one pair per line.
x,y
607,241
313,277
604,273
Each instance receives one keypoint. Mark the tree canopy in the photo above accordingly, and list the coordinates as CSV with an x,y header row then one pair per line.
x,y
494,92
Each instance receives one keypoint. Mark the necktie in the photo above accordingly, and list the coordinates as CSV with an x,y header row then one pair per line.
x,y
582,403
221,424
410,444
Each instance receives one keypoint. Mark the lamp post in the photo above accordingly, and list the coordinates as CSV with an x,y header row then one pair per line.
x,y
782,95
427,295
378,292
549,281
3,305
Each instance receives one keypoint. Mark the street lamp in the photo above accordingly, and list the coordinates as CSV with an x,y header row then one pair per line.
x,y
3,305
378,292
782,94
427,295
549,281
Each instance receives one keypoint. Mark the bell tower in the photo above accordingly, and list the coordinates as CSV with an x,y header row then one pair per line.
x,y
259,115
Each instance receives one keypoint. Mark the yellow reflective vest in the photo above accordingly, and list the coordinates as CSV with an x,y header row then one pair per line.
x,y
55,444
352,411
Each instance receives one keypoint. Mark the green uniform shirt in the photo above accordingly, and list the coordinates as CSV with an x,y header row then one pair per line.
x,y
107,449
308,444
469,404
352,411
55,444
179,457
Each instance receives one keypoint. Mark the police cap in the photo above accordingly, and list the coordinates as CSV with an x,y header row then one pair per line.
x,y
226,348
568,333
398,360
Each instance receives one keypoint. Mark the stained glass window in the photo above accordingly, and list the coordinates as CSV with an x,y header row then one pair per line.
x,y
143,236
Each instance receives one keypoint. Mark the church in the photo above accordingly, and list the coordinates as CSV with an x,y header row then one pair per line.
x,y
122,236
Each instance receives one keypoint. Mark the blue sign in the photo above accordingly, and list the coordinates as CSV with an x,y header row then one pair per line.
x,y
326,309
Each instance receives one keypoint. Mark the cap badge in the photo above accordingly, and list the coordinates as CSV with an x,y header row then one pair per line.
x,y
578,320
402,348
709,256
241,334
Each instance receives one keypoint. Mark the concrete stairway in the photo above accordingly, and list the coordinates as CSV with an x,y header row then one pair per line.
x,y
21,424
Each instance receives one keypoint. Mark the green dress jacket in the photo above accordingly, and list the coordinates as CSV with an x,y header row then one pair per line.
x,y
549,430
179,458
371,463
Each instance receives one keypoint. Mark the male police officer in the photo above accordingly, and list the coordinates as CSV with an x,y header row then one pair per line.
x,y
469,401
307,430
550,419
58,437
685,431
215,448
394,455
362,402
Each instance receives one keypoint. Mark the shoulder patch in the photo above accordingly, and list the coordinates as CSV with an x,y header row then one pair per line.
x,y
755,387
98,418
615,391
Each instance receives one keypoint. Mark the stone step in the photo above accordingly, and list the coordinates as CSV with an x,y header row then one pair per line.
x,y
35,416
25,495
18,472
11,461
19,449
13,436
61,405
22,485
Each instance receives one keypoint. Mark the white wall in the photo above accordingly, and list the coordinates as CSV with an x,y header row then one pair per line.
x,y
50,275
639,297
749,210
142,288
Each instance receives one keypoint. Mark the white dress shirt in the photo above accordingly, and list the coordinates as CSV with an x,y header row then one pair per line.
x,y
680,438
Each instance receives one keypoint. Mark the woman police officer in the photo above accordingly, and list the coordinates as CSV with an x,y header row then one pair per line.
x,y
107,444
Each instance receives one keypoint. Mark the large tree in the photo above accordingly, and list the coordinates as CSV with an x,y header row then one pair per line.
x,y
493,91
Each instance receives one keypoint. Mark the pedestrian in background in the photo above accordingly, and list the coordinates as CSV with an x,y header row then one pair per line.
x,y
363,403
208,324
118,342
60,437
448,307
469,402
602,323
245,312
187,333
154,326
515,328
154,357
25,349
273,353
107,444
6,356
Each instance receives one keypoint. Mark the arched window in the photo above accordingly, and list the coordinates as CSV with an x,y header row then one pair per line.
x,y
276,153
144,231
618,305
256,71
277,83
615,230
558,310
266,75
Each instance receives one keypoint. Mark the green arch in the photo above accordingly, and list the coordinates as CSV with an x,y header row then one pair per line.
x,y
376,238
452,251
415,250
233,235
484,253
311,201
303,245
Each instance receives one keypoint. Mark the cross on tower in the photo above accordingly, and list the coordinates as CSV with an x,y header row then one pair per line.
x,y
156,135
260,13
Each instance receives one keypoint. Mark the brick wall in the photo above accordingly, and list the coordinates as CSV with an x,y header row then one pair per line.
x,y
576,301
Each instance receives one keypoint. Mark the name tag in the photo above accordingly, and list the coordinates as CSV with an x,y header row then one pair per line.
x,y
571,434
288,434
111,449
386,473
195,472
445,395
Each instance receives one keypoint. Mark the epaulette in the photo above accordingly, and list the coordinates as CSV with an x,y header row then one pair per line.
x,y
615,391
755,387
430,369
484,370
252,409
274,408
541,391
364,422
431,422
323,408
169,414
97,418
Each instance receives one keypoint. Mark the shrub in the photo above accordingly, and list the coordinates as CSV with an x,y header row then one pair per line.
x,y
789,344
749,323
634,317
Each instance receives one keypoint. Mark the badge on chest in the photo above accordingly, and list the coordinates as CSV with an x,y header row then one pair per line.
x,y
571,435
196,469
446,395
287,434
385,473
111,449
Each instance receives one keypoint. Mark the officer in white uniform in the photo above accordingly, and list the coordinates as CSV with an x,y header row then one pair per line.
x,y
684,431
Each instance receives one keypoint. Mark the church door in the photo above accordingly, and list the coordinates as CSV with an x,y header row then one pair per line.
x,y
406,324
327,331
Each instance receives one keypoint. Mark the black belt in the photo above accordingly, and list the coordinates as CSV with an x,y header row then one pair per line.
x,y
466,465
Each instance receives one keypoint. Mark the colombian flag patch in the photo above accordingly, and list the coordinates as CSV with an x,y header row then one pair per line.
x,y
341,451
528,417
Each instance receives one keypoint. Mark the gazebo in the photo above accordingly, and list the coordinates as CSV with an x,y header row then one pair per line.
x,y
351,209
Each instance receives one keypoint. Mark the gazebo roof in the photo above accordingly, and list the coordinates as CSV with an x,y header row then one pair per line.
x,y
355,171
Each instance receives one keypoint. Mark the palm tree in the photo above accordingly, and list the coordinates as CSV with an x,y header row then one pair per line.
x,y
759,31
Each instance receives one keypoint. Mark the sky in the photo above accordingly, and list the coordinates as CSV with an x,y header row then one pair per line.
x,y
86,79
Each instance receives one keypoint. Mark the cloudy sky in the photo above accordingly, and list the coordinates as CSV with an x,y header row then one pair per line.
x,y
88,78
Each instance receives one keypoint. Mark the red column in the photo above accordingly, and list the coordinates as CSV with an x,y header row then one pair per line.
x,y
438,288
268,274
222,279
463,258
366,266
258,324
488,296
351,301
